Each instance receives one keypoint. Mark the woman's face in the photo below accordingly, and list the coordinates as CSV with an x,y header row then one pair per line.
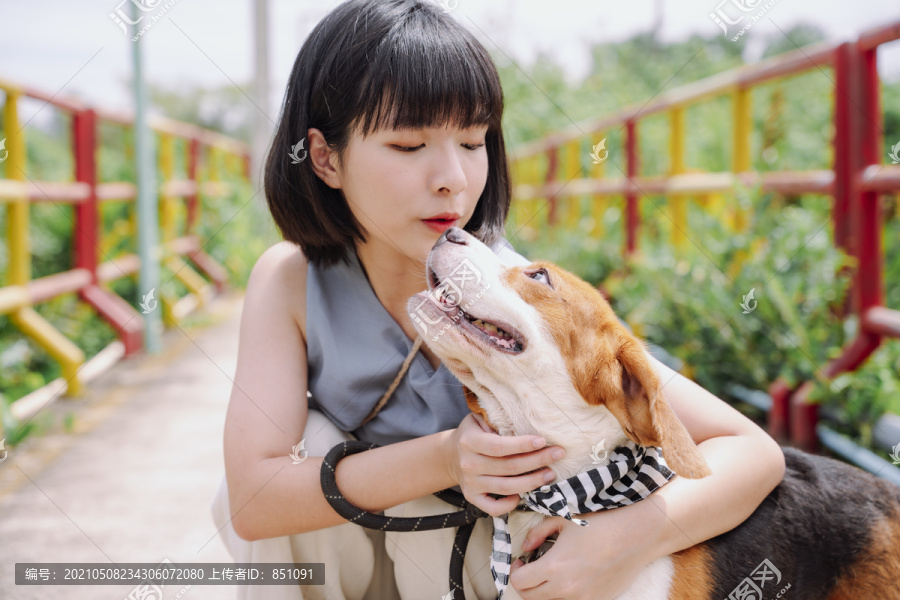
x,y
394,180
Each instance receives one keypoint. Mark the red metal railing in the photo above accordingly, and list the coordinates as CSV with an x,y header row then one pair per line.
x,y
854,181
204,151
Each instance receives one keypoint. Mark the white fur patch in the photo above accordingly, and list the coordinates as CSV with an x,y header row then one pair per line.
x,y
654,582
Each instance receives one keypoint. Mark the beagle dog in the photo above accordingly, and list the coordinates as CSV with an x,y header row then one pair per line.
x,y
540,351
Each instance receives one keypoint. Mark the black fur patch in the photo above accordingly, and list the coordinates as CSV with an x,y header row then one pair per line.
x,y
812,528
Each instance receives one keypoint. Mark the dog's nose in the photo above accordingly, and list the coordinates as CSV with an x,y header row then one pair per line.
x,y
456,235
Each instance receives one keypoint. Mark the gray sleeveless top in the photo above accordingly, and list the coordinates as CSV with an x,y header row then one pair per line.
x,y
355,349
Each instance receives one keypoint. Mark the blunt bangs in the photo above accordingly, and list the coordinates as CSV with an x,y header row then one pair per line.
x,y
424,74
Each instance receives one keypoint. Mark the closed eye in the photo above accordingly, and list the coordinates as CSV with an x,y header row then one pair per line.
x,y
472,147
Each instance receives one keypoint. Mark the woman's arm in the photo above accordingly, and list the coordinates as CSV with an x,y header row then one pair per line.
x,y
746,463
268,494
610,554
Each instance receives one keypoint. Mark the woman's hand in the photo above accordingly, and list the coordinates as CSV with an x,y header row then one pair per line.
x,y
483,462
599,561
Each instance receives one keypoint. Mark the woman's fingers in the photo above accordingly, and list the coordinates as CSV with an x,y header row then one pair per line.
x,y
519,484
521,464
496,506
494,444
508,488
505,466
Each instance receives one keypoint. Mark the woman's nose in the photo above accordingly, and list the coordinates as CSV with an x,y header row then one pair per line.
x,y
449,173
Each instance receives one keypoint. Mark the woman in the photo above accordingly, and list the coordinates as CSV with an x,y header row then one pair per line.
x,y
399,109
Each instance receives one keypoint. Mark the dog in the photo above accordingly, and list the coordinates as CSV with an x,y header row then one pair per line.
x,y
540,351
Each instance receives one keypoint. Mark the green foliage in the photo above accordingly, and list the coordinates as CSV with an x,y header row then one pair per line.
x,y
892,259
798,37
13,431
688,300
238,231
225,108
691,303
858,399
592,258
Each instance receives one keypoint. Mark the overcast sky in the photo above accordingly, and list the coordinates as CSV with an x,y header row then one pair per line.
x,y
76,49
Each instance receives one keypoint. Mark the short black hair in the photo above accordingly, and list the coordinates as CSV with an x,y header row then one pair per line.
x,y
371,65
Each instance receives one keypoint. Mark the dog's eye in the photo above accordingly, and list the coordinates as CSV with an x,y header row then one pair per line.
x,y
542,276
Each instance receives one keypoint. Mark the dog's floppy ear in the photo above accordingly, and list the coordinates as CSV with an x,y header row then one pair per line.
x,y
634,397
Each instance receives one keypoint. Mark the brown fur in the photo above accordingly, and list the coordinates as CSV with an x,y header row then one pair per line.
x,y
870,573
692,579
472,402
608,365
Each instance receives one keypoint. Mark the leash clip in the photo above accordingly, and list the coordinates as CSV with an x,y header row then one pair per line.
x,y
475,512
540,550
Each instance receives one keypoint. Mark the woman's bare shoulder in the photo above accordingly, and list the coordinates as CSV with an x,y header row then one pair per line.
x,y
282,270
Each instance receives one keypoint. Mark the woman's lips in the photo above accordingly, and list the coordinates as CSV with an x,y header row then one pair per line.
x,y
440,225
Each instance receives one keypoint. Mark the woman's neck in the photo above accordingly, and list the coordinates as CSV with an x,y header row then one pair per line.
x,y
394,278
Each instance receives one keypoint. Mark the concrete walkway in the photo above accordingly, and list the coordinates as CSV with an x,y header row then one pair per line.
x,y
133,478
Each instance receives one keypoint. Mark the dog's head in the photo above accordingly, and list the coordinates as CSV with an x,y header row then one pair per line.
x,y
540,351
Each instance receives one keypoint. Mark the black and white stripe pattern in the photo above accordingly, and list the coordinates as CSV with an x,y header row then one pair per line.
x,y
633,473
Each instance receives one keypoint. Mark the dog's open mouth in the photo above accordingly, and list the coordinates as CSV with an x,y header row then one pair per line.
x,y
500,335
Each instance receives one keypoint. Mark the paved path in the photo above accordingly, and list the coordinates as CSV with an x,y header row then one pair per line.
x,y
133,478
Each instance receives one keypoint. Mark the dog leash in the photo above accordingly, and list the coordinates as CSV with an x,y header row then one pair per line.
x,y
464,519
383,400
632,474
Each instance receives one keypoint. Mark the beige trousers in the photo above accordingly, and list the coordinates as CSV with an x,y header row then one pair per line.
x,y
361,563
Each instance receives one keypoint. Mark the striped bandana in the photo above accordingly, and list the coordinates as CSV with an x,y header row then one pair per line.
x,y
633,473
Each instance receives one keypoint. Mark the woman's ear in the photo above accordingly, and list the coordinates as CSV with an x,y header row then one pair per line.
x,y
323,159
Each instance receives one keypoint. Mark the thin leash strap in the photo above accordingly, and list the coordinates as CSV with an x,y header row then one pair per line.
x,y
463,520
415,348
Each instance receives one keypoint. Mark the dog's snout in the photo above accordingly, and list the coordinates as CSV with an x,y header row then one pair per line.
x,y
456,235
